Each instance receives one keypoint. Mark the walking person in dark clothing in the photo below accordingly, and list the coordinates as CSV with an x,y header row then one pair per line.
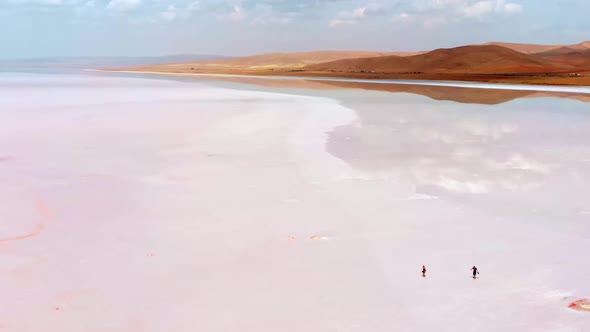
x,y
424,271
475,272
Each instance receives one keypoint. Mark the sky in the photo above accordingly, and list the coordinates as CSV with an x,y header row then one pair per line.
x,y
37,28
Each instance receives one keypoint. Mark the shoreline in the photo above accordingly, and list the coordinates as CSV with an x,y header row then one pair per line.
x,y
449,82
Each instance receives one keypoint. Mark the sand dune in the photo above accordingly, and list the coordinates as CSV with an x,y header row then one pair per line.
x,y
525,48
578,58
285,60
536,48
556,51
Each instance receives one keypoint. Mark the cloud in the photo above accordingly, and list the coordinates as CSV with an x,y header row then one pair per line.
x,y
427,21
87,7
259,14
480,9
456,157
237,14
123,5
421,6
469,8
434,13
404,17
169,14
194,6
269,17
41,2
366,11
358,14
44,3
508,8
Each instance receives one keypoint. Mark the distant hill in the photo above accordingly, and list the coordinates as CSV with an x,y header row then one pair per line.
x,y
525,48
96,62
288,60
556,51
465,59
579,58
581,46
536,48
491,62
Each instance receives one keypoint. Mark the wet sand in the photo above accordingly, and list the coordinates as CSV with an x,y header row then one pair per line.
x,y
504,78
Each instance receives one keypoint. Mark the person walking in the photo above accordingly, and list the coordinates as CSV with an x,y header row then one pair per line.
x,y
424,271
475,272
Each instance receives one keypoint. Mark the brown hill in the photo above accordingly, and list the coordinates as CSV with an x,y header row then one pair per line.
x,y
556,51
581,46
466,59
536,48
525,48
285,60
578,58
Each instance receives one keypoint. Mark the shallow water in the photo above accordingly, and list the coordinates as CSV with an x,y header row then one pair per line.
x,y
162,205
437,83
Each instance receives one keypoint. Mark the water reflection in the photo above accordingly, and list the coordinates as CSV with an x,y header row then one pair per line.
x,y
456,94
532,153
522,148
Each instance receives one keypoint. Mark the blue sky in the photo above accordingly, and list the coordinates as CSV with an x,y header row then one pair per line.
x,y
31,28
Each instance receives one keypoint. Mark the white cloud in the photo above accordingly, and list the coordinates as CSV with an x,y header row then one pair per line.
x,y
193,6
260,14
480,9
477,10
44,2
169,14
362,12
508,8
404,17
359,12
427,21
86,7
123,5
268,17
236,14
356,15
40,2
432,5
434,13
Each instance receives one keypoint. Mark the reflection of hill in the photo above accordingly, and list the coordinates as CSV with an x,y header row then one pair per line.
x,y
460,95
456,94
